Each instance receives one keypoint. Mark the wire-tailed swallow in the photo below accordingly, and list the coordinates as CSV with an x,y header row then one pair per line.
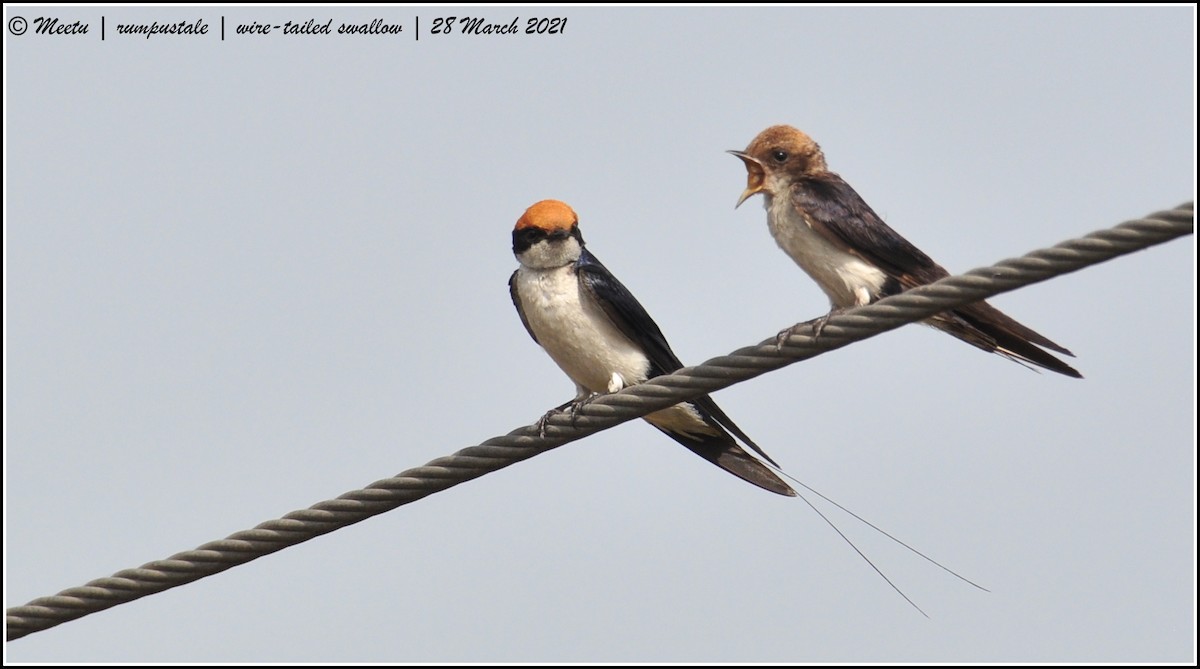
x,y
856,258
604,340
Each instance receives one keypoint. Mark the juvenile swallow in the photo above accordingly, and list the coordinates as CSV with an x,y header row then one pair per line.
x,y
598,333
856,258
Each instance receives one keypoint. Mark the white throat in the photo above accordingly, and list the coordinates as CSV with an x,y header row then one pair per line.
x,y
551,253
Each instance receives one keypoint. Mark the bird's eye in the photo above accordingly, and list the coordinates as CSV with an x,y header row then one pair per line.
x,y
779,155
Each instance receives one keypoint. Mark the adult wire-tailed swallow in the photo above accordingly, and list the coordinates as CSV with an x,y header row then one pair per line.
x,y
599,334
827,228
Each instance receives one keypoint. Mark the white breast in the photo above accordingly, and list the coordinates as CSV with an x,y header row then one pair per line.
x,y
848,280
575,332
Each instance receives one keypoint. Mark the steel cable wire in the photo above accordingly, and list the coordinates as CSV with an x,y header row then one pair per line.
x,y
609,410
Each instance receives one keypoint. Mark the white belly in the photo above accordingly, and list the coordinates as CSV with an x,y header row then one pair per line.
x,y
681,418
576,333
587,346
848,280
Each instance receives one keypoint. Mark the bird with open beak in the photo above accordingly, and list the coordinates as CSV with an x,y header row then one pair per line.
x,y
856,258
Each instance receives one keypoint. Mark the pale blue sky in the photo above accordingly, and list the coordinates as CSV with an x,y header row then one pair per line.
x,y
242,277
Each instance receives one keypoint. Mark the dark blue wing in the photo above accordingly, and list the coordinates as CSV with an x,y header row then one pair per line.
x,y
626,313
836,211
630,317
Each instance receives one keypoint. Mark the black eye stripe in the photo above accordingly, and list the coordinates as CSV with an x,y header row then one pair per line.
x,y
527,237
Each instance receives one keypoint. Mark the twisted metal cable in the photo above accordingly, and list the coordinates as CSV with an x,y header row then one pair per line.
x,y
609,410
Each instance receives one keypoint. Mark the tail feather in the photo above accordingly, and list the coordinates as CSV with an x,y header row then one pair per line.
x,y
988,328
723,452
706,403
984,313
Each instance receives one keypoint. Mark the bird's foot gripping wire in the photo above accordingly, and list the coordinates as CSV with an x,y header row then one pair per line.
x,y
571,407
817,325
820,323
